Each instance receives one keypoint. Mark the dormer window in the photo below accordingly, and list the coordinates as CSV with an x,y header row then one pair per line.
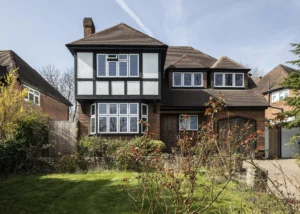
x,y
229,80
187,79
117,65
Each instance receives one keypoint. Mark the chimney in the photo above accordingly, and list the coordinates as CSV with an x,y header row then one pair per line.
x,y
88,26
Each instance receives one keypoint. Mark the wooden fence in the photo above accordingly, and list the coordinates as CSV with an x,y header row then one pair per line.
x,y
62,138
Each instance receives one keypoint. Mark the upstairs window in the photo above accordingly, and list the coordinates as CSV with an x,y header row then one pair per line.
x,y
280,95
33,96
189,122
187,79
229,80
117,65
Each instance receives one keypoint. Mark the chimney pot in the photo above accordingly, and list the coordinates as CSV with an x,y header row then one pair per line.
x,y
88,26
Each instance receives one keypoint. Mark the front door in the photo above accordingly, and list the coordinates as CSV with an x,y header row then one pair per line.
x,y
169,130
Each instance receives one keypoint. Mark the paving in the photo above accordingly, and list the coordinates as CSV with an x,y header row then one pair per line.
x,y
285,173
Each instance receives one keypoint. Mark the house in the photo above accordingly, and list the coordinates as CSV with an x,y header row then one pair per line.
x,y
123,75
42,95
278,138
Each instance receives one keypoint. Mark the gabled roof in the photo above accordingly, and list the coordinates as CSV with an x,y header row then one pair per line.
x,y
186,62
256,79
29,76
120,34
274,78
226,63
185,53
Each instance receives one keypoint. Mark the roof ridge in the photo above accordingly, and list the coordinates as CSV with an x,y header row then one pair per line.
x,y
226,57
202,52
96,33
141,32
121,23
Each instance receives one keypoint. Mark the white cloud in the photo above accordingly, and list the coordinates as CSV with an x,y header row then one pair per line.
x,y
174,22
134,16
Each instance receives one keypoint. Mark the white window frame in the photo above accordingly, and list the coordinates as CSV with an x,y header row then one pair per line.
x,y
33,91
277,95
144,116
233,80
188,124
117,65
118,115
182,80
93,116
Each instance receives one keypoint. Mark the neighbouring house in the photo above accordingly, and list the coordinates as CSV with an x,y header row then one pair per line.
x,y
42,96
278,138
123,75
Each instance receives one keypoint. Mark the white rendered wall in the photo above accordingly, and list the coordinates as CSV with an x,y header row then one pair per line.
x,y
84,65
85,87
133,88
150,65
117,87
102,88
150,88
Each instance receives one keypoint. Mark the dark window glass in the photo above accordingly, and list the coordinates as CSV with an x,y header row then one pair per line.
x,y
187,80
144,110
113,108
93,125
123,66
123,57
112,69
113,124
177,79
93,110
134,70
102,108
228,79
133,108
102,124
218,80
123,108
101,65
239,79
133,124
123,124
197,79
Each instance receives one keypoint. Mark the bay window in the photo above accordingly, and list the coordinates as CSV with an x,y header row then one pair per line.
x,y
229,79
187,79
119,117
117,65
188,122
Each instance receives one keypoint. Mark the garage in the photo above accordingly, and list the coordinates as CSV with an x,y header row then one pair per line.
x,y
289,149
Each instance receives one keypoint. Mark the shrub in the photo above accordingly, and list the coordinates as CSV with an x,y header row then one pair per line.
x,y
138,149
21,152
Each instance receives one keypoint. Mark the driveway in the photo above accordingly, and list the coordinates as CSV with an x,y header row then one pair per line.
x,y
280,169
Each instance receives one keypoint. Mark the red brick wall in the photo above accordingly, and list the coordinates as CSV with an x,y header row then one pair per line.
x,y
55,109
154,119
257,115
83,110
271,112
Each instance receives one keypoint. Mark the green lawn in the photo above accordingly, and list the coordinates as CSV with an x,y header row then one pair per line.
x,y
83,193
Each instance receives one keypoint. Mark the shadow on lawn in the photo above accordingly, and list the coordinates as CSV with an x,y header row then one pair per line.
x,y
75,193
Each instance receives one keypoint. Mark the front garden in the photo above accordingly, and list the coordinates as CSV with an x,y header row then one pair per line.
x,y
133,176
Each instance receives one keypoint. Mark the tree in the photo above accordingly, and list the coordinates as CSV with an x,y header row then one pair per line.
x,y
291,119
255,70
63,81
11,104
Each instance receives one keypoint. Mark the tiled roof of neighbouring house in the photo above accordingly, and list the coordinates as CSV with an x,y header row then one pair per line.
x,y
227,63
29,76
274,78
175,53
120,34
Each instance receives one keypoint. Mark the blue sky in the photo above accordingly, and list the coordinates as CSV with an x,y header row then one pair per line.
x,y
255,32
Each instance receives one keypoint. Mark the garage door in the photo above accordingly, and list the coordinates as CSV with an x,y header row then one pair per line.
x,y
288,149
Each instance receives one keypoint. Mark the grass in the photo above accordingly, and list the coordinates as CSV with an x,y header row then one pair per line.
x,y
88,193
